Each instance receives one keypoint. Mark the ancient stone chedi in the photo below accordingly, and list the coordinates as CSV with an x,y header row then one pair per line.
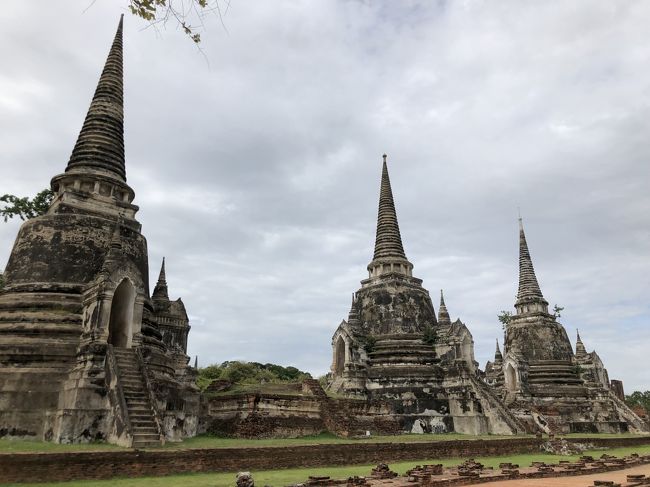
x,y
85,353
393,349
539,377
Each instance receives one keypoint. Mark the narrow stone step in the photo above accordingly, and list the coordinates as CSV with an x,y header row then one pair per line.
x,y
131,377
145,423
134,390
146,437
136,396
137,411
138,399
137,403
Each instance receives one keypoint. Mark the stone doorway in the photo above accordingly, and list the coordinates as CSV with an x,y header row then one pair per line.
x,y
120,324
511,378
339,356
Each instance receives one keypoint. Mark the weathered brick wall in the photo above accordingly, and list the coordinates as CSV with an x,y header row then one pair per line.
x,y
32,467
262,416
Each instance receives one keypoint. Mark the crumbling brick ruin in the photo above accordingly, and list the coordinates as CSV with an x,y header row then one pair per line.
x,y
471,472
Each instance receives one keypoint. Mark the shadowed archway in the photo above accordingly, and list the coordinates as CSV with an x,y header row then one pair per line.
x,y
120,324
339,356
511,378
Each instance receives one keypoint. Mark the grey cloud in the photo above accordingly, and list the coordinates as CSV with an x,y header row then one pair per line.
x,y
257,166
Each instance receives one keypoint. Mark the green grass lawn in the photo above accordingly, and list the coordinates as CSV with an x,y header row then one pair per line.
x,y
28,446
280,478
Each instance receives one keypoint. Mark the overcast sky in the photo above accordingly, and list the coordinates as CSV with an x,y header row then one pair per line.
x,y
256,164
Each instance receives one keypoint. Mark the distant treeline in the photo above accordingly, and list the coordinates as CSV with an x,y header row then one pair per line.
x,y
639,399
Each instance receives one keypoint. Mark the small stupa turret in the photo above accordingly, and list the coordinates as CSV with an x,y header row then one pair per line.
x,y
581,351
160,292
353,315
443,314
498,358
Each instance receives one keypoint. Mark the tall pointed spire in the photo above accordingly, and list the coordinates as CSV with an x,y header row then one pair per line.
x,y
100,145
160,291
388,242
529,295
443,314
389,256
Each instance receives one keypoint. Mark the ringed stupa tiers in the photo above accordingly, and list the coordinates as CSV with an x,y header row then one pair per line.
x,y
85,353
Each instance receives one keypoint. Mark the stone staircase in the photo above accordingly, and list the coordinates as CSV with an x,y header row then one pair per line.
x,y
143,423
337,420
626,414
484,392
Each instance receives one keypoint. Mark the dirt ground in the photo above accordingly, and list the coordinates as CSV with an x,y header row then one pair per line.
x,y
578,481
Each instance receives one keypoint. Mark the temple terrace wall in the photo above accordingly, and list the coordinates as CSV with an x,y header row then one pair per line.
x,y
32,467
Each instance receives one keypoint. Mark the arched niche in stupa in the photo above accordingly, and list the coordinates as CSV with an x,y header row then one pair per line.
x,y
339,356
120,325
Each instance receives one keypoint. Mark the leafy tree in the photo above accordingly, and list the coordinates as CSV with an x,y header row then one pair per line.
x,y
24,208
557,310
207,374
638,398
186,13
504,317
